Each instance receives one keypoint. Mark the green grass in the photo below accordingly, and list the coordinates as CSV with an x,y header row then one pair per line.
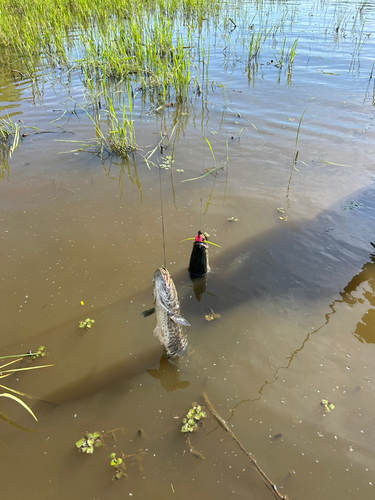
x,y
6,371
159,48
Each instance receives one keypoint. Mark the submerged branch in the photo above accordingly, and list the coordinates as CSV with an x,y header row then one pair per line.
x,y
262,474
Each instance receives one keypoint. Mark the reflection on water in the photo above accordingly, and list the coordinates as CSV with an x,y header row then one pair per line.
x,y
364,332
169,375
199,285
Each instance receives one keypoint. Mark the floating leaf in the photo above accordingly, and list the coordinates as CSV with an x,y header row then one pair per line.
x,y
193,417
87,323
328,406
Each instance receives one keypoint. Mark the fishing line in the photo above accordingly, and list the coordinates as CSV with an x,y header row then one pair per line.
x,y
162,217
200,215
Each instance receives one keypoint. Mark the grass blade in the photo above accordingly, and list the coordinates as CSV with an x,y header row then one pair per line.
x,y
19,401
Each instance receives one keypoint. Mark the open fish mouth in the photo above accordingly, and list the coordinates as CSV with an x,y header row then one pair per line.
x,y
164,289
163,274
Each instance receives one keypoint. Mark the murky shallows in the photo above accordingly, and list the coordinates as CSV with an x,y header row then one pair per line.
x,y
293,281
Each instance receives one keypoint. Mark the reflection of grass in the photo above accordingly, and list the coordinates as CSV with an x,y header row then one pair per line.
x,y
5,372
9,133
158,43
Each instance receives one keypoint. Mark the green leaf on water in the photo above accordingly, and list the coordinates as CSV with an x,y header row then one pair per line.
x,y
80,443
336,164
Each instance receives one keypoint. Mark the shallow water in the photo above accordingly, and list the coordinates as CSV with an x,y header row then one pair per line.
x,y
295,295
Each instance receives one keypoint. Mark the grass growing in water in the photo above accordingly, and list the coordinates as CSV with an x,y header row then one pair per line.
x,y
9,134
5,372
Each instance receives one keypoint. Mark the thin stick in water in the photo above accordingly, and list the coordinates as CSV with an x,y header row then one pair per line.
x,y
262,474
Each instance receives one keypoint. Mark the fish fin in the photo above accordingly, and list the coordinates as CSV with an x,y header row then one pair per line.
x,y
180,320
158,332
148,312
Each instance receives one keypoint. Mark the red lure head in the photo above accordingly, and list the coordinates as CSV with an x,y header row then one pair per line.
x,y
199,237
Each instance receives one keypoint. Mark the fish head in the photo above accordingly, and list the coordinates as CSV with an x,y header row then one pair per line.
x,y
163,288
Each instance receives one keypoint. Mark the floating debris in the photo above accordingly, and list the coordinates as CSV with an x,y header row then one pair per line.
x,y
281,210
328,406
351,205
211,315
167,163
277,436
233,219
87,323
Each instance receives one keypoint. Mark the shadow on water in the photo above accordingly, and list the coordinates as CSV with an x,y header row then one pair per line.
x,y
301,260
364,331
168,375
313,258
108,378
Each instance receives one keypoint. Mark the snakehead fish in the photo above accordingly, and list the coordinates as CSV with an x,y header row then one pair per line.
x,y
168,320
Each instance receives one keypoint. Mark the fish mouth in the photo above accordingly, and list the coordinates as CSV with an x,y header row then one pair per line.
x,y
162,274
162,285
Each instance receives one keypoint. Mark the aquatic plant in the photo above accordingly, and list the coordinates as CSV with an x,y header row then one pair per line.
x,y
9,131
118,465
292,53
193,418
351,205
40,353
192,422
89,442
92,440
5,371
328,406
87,323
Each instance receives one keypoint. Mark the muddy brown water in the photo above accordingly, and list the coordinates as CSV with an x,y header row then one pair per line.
x,y
296,296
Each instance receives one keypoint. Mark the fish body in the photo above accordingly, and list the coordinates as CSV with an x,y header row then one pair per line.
x,y
168,320
199,265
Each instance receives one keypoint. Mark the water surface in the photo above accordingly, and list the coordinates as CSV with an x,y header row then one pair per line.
x,y
294,287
